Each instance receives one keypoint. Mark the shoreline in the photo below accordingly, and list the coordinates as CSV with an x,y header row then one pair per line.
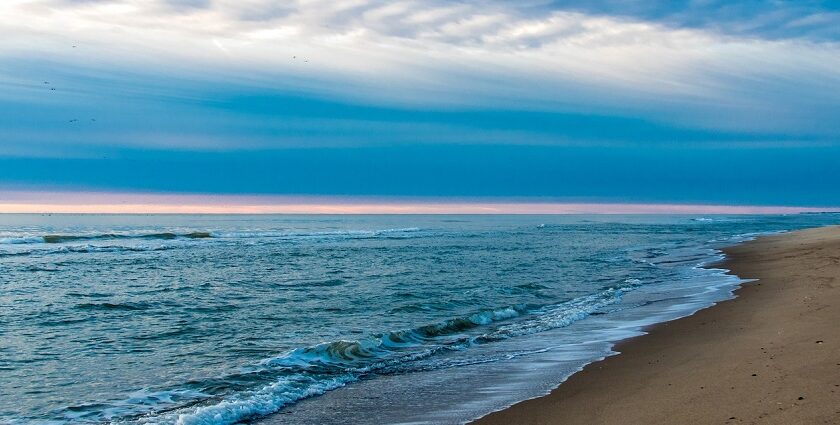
x,y
744,360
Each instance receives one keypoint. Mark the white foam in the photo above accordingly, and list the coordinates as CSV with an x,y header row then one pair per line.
x,y
266,400
21,240
487,317
314,234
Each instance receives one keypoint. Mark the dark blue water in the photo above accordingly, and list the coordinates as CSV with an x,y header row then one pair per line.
x,y
367,319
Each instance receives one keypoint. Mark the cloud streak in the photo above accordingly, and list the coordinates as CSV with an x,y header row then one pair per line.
x,y
443,54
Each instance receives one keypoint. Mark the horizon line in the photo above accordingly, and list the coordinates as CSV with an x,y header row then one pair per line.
x,y
37,202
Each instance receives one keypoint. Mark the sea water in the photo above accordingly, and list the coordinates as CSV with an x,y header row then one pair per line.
x,y
334,319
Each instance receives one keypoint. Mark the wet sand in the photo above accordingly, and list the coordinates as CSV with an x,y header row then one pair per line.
x,y
770,356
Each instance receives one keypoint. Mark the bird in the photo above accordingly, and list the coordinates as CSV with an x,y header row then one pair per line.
x,y
52,89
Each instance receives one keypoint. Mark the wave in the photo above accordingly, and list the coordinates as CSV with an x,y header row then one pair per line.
x,y
62,239
112,236
272,384
21,240
360,234
83,249
50,244
113,306
718,219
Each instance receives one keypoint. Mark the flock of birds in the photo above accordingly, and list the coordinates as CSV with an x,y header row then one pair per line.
x,y
74,120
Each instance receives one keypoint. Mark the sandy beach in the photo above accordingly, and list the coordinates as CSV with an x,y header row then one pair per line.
x,y
769,356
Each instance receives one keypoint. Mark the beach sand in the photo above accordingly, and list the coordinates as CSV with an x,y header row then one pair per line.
x,y
770,356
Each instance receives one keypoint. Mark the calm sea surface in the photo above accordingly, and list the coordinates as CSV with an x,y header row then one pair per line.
x,y
326,319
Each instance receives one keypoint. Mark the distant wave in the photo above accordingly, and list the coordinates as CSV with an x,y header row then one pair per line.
x,y
112,236
60,239
718,219
126,242
83,249
397,233
21,240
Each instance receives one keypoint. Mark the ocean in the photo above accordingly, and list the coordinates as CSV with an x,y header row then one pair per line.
x,y
313,319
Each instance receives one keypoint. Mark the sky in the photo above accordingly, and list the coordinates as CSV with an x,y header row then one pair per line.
x,y
699,102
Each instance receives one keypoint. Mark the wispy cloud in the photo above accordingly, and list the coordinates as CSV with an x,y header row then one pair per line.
x,y
445,54
768,19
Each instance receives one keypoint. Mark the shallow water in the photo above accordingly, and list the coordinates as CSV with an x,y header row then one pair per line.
x,y
219,319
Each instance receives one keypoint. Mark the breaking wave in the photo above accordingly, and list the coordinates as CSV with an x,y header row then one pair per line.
x,y
275,383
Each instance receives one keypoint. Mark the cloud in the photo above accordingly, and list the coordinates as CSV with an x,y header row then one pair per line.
x,y
661,64
767,19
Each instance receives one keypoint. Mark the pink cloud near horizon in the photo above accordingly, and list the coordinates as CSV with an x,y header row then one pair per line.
x,y
128,203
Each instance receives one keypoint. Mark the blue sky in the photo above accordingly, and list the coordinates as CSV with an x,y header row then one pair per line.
x,y
672,101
